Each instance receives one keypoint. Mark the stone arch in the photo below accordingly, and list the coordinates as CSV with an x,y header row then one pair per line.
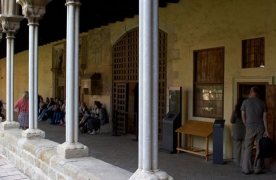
x,y
125,80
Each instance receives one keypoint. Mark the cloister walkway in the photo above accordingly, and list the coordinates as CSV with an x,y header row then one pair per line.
x,y
122,151
9,172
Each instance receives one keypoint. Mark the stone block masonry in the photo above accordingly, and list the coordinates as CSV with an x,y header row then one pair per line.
x,y
9,172
38,159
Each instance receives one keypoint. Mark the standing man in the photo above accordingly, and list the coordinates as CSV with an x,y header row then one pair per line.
x,y
254,118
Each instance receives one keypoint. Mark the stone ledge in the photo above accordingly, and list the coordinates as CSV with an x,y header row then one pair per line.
x,y
9,125
92,168
150,175
72,150
32,133
41,156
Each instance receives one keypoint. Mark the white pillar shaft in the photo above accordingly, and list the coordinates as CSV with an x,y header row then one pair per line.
x,y
155,88
72,148
35,75
31,75
8,81
140,116
70,57
76,75
10,78
148,93
148,85
147,82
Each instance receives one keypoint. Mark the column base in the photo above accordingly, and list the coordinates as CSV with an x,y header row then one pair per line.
x,y
30,133
150,175
72,150
9,125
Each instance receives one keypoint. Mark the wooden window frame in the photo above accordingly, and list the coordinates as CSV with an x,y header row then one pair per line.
x,y
253,53
209,83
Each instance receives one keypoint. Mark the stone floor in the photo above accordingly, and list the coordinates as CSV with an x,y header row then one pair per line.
x,y
9,172
122,151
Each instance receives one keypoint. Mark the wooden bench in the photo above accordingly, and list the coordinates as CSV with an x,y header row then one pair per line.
x,y
195,128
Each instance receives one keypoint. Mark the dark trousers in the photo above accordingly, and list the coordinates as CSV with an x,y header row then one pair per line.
x,y
253,134
93,124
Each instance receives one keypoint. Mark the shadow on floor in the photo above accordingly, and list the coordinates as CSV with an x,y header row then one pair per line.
x,y
122,151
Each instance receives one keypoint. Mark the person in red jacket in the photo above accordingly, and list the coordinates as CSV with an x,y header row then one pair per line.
x,y
22,107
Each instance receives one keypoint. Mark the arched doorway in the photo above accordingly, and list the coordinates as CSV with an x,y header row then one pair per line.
x,y
125,81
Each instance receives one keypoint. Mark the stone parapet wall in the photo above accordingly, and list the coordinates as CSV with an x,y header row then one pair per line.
x,y
38,159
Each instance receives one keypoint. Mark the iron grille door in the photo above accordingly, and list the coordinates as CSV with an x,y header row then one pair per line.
x,y
125,68
120,98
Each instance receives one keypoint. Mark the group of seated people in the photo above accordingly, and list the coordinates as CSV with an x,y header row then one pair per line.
x,y
52,110
91,119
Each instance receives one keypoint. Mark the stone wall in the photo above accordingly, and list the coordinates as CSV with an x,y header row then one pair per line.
x,y
203,24
21,72
38,159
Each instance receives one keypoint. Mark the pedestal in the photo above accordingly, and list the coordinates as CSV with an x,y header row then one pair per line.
x,y
150,175
72,150
30,133
9,125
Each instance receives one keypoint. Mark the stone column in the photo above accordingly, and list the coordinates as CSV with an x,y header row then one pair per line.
x,y
71,148
10,21
33,11
148,93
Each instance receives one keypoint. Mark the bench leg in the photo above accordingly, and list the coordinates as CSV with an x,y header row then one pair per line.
x,y
207,148
189,142
178,142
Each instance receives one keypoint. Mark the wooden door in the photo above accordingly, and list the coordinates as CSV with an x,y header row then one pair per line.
x,y
120,107
271,110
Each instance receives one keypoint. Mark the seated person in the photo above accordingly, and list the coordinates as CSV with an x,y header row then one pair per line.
x,y
42,116
62,109
83,110
57,113
84,115
50,108
104,116
99,117
45,109
93,125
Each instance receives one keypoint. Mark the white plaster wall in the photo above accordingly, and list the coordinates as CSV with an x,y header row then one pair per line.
x,y
21,73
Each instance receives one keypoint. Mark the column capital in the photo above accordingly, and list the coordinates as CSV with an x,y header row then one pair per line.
x,y
10,24
73,2
33,10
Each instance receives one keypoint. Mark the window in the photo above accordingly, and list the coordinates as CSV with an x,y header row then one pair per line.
x,y
253,53
208,82
96,84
